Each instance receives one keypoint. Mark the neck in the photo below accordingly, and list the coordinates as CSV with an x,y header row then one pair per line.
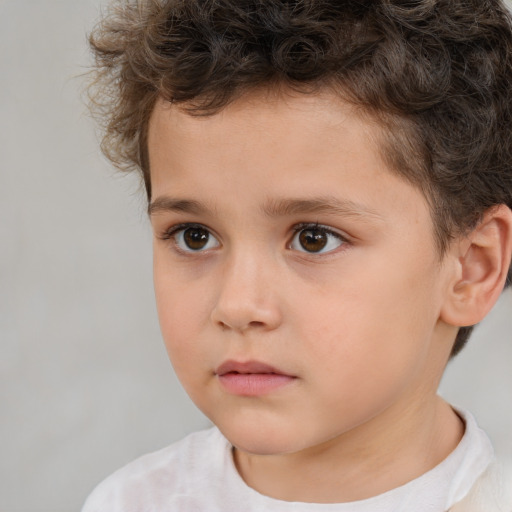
x,y
384,453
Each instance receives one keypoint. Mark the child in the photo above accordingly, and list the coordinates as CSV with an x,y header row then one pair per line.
x,y
330,189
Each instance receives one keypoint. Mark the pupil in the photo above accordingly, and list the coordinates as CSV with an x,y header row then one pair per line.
x,y
313,240
196,238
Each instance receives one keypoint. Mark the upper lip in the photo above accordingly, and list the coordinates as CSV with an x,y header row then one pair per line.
x,y
231,366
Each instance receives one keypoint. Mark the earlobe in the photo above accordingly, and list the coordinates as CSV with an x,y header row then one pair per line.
x,y
484,257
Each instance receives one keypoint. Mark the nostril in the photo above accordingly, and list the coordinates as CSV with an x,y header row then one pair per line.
x,y
242,315
223,326
256,324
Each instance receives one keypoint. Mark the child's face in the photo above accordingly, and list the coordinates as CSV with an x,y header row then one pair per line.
x,y
281,239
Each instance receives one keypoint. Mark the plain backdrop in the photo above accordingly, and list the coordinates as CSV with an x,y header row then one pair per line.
x,y
85,384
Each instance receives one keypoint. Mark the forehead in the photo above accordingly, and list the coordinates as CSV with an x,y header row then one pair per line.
x,y
286,125
270,146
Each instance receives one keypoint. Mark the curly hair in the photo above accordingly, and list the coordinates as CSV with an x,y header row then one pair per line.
x,y
436,75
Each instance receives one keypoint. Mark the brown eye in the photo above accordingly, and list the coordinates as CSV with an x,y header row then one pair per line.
x,y
195,239
313,240
316,239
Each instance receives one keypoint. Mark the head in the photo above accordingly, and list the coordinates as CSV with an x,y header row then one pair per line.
x,y
329,186
433,76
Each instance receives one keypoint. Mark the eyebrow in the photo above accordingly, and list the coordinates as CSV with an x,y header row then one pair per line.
x,y
322,205
327,205
170,204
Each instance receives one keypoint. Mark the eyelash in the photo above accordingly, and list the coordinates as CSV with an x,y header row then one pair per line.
x,y
318,227
170,232
170,235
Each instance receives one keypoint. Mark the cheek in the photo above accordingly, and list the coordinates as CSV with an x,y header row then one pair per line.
x,y
370,328
180,321
182,310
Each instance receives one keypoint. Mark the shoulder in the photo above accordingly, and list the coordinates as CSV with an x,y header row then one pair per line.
x,y
492,492
152,481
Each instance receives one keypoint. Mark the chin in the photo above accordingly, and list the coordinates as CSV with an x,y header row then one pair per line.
x,y
259,439
261,446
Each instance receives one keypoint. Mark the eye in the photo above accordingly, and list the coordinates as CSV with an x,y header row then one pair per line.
x,y
193,238
315,239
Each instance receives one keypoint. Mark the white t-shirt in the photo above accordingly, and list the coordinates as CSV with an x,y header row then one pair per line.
x,y
198,474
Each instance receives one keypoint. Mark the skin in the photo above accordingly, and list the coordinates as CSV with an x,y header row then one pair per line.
x,y
360,326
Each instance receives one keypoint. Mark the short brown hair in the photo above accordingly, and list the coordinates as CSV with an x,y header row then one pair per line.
x,y
436,74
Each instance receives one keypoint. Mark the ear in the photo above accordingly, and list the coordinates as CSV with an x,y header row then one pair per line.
x,y
483,260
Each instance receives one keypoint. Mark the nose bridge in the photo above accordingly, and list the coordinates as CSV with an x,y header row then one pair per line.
x,y
247,294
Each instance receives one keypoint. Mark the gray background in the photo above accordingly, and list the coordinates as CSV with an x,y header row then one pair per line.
x,y
85,385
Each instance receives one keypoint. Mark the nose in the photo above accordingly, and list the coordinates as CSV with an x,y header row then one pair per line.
x,y
248,296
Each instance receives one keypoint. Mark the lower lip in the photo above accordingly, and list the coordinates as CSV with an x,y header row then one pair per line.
x,y
253,384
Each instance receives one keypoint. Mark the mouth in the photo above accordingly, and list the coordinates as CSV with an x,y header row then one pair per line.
x,y
251,378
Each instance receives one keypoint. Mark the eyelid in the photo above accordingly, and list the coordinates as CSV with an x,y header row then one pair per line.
x,y
327,229
316,225
170,233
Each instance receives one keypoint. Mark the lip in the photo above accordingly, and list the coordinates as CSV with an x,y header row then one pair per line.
x,y
231,366
251,378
